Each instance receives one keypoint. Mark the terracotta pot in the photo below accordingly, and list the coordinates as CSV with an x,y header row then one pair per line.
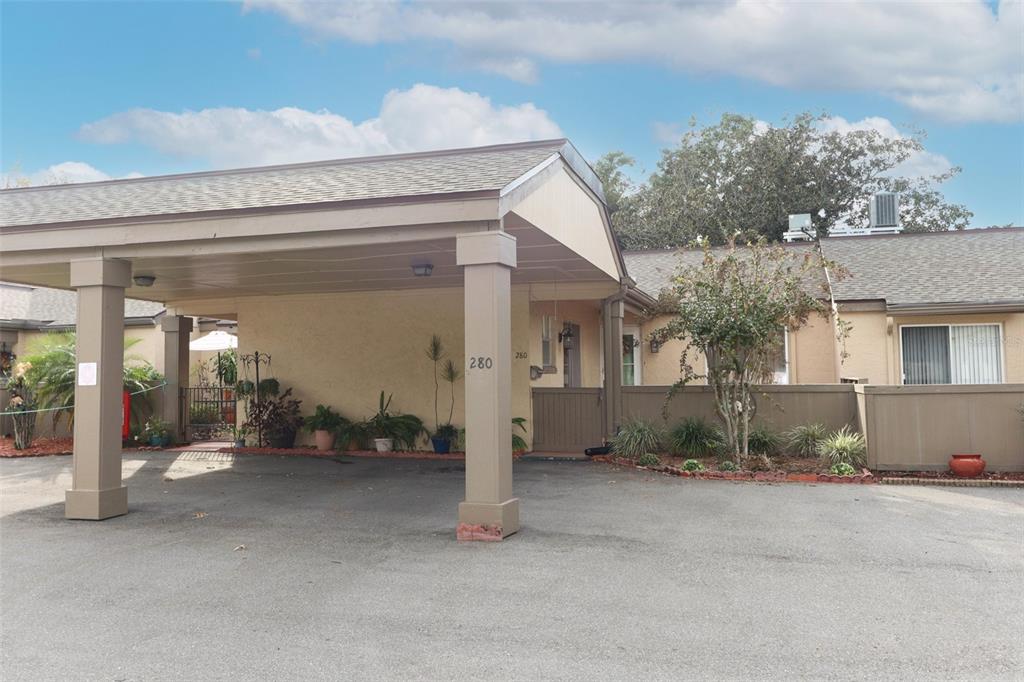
x,y
967,466
324,440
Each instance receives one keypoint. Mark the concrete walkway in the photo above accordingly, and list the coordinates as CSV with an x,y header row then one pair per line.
x,y
284,568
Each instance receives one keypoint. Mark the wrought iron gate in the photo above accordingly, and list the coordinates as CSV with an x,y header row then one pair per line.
x,y
209,412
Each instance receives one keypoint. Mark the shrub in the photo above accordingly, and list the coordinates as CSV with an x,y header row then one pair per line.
x,y
692,465
803,440
844,447
694,437
842,469
202,413
763,441
728,466
324,419
518,442
649,459
635,438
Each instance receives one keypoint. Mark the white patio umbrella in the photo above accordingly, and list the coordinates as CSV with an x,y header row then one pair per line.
x,y
215,341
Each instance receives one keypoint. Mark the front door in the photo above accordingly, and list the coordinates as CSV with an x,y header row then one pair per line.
x,y
571,365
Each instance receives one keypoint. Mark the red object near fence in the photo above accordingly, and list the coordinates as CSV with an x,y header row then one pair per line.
x,y
126,418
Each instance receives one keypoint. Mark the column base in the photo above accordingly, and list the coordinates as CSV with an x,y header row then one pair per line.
x,y
487,522
95,505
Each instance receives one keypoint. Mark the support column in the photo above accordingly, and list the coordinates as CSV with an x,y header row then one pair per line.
x,y
96,490
176,356
612,313
489,511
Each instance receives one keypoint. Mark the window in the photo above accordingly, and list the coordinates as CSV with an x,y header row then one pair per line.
x,y
631,367
547,349
952,354
780,359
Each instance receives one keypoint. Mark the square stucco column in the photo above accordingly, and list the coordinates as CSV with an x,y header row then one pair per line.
x,y
612,312
176,330
96,490
489,511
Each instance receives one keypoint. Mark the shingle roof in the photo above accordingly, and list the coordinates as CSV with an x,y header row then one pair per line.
x,y
381,177
969,266
41,306
653,270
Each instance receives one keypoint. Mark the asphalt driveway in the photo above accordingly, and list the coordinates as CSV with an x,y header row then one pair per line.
x,y
279,568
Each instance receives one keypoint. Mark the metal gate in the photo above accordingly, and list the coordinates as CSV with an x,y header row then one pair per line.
x,y
209,412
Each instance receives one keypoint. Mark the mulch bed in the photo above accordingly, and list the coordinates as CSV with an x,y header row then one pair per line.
x,y
946,475
780,475
313,452
41,447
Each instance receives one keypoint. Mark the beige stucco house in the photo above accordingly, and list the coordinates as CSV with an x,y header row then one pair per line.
x,y
923,308
341,271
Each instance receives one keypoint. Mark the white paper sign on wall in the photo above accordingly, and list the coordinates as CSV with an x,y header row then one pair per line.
x,y
87,374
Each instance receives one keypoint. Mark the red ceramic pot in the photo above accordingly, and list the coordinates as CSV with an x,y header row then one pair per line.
x,y
967,466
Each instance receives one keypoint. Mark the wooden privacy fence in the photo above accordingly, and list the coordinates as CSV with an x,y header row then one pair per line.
x,y
919,427
778,407
567,419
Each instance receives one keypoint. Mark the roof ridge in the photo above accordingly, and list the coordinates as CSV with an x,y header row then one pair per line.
x,y
245,170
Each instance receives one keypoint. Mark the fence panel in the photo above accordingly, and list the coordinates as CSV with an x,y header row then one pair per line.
x,y
920,427
566,419
778,407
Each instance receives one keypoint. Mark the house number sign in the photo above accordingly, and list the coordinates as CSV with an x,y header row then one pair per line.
x,y
481,362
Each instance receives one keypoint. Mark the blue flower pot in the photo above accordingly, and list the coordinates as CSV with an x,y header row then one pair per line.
x,y
441,445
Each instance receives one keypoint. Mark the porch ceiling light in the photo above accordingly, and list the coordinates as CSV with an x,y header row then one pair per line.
x,y
422,269
144,280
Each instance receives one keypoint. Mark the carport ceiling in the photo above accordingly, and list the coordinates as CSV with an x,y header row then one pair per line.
x,y
385,266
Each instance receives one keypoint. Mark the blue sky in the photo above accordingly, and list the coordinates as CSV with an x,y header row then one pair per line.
x,y
154,87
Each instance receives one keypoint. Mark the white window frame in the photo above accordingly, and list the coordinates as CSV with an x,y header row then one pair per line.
x,y
949,326
638,364
785,359
546,325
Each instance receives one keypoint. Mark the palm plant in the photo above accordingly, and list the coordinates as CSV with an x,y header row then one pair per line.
x,y
450,373
435,353
403,428
53,372
763,441
518,442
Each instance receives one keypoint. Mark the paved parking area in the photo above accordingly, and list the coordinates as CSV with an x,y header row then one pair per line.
x,y
281,568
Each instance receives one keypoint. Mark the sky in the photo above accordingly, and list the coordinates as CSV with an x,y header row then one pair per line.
x,y
95,90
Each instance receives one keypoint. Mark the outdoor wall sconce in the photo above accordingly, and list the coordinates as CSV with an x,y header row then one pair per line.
x,y
422,270
143,280
655,345
565,336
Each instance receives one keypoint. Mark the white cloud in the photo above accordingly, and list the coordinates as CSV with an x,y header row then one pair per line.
x,y
958,61
421,118
63,173
920,164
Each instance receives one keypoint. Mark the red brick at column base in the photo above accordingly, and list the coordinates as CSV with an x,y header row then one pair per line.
x,y
477,531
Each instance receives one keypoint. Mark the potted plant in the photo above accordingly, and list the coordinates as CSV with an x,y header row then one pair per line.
x,y
389,430
238,434
324,425
157,432
443,438
278,419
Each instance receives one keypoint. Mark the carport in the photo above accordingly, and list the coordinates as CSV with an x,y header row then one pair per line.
x,y
491,222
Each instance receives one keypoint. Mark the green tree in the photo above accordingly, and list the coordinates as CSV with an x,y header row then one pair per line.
x,y
51,360
616,184
732,310
742,177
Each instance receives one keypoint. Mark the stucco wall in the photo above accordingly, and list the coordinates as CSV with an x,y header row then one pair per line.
x,y
876,356
588,316
149,346
343,349
811,355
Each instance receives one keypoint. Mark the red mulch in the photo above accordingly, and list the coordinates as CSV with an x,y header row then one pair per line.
x,y
778,475
41,447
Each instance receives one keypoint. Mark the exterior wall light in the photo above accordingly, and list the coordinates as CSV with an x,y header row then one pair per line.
x,y
144,280
655,345
422,270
